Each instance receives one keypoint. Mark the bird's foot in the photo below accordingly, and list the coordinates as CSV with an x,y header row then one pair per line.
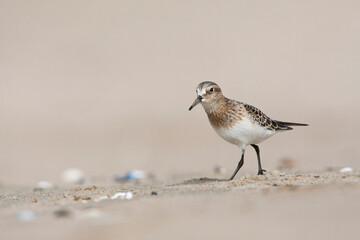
x,y
261,171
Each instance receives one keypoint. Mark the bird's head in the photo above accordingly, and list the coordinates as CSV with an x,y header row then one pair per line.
x,y
208,94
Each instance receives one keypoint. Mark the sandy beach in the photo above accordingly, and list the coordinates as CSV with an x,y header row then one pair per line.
x,y
274,206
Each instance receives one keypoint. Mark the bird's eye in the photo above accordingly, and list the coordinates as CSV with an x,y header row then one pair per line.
x,y
211,89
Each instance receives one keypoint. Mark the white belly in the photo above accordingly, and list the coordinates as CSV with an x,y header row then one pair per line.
x,y
245,133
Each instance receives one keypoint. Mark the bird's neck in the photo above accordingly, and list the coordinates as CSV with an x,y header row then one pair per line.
x,y
216,107
225,113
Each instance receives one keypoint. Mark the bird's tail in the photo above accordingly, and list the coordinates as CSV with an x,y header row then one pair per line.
x,y
286,125
292,123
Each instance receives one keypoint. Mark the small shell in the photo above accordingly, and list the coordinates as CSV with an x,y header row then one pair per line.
x,y
122,195
42,185
72,176
219,169
101,198
132,175
346,170
26,216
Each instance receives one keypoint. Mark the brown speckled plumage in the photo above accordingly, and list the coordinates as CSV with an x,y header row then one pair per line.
x,y
260,118
227,113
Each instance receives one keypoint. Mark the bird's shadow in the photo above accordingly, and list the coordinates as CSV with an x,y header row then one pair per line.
x,y
200,181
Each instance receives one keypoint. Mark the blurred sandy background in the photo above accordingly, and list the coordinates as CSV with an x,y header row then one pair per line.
x,y
105,86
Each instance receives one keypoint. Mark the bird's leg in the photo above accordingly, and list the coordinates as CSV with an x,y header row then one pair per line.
x,y
241,162
257,149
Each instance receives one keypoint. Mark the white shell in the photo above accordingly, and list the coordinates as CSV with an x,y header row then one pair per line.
x,y
122,195
346,170
44,185
72,176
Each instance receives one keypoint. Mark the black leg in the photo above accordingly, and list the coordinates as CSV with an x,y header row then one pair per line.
x,y
238,166
257,149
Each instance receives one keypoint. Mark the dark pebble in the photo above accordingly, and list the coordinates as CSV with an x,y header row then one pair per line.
x,y
61,213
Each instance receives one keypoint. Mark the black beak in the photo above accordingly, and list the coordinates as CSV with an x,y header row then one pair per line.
x,y
196,102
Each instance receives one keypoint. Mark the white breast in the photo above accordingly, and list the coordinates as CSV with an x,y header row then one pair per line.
x,y
244,133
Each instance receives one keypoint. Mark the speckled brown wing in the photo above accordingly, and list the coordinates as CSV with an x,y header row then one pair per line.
x,y
260,118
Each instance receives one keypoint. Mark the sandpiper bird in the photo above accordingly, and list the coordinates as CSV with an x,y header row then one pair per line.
x,y
237,122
